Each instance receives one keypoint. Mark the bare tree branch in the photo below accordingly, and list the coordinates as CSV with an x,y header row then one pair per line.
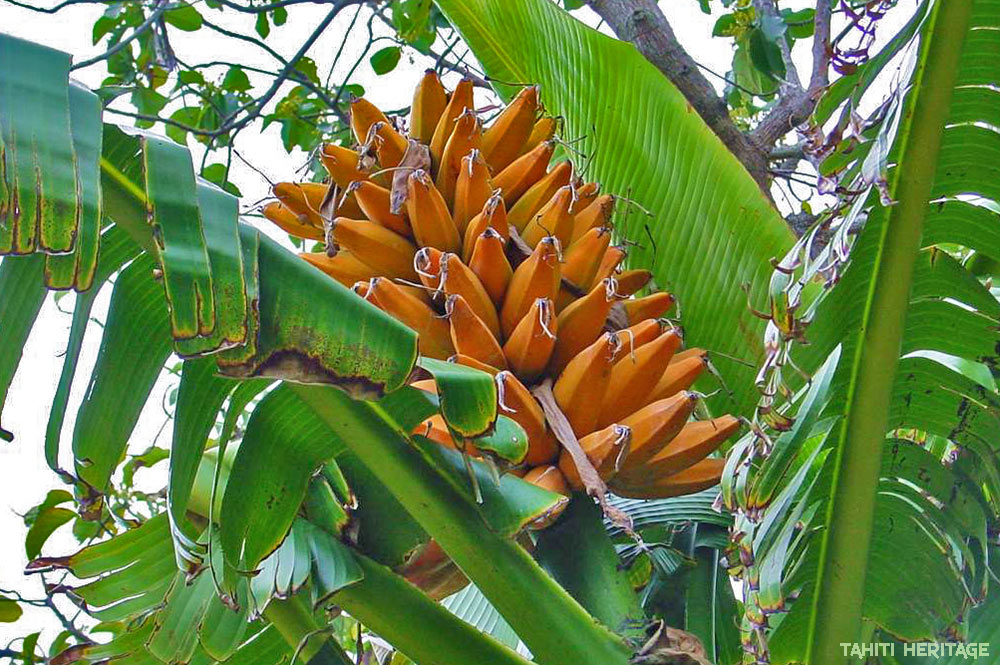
x,y
643,24
795,103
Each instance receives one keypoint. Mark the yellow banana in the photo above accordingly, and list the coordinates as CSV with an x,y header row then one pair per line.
x,y
429,102
641,333
288,221
374,203
635,376
390,145
529,346
428,214
581,322
681,373
493,215
472,190
584,382
605,448
528,205
596,214
466,137
517,403
460,100
502,140
524,172
389,253
434,338
553,219
490,264
648,307
538,276
470,336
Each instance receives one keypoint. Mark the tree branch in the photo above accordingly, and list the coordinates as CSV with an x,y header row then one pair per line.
x,y
795,104
643,24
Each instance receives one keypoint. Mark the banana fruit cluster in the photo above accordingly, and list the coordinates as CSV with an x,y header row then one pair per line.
x,y
502,263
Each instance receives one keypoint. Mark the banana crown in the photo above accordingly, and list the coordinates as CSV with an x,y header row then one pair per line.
x,y
467,235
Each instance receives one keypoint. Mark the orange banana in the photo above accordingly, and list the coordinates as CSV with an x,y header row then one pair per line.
x,y
428,214
446,273
469,361
344,267
466,137
648,307
681,374
524,172
502,140
460,100
304,199
583,258
538,276
544,129
470,336
695,478
490,264
597,213
364,115
630,281
429,102
528,205
549,478
389,253
517,403
288,221
342,164
374,203
613,255
390,145
584,195
695,441
529,346
581,323
641,333
427,385
434,334
605,449
584,382
553,219
635,376
494,214
472,190
655,425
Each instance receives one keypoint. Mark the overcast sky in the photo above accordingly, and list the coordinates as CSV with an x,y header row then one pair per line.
x,y
24,476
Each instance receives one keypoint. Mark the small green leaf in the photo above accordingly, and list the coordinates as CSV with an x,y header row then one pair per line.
x,y
185,17
103,26
307,66
189,116
570,5
10,611
190,77
279,16
46,522
262,27
236,80
725,26
385,60
217,174
800,23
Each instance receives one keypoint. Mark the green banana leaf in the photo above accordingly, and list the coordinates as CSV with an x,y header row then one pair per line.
x,y
709,231
893,448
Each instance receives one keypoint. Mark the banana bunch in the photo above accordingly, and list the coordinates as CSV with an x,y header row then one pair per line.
x,y
499,262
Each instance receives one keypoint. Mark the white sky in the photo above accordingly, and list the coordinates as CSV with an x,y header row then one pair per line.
x,y
24,476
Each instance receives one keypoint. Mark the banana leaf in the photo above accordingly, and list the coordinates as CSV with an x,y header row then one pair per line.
x,y
892,448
